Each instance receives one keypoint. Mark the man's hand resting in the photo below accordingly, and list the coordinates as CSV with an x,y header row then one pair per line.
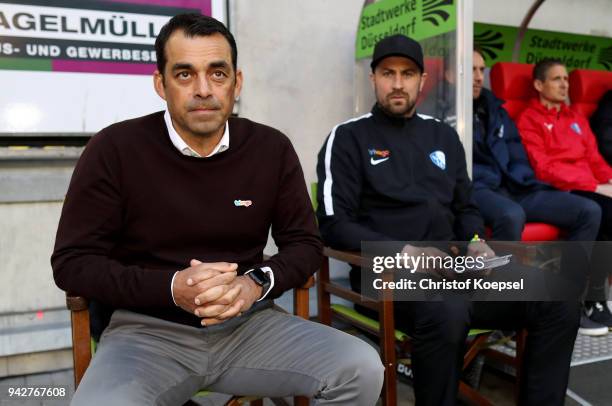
x,y
213,292
206,281
480,249
604,189
240,297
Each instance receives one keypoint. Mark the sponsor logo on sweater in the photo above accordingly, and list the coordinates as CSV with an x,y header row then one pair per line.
x,y
383,155
243,203
439,159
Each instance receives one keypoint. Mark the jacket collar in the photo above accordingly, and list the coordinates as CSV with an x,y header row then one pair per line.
x,y
538,106
492,101
381,116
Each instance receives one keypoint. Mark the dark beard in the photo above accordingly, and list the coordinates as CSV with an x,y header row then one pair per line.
x,y
409,109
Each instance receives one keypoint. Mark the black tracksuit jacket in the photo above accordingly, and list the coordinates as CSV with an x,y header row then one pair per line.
x,y
386,178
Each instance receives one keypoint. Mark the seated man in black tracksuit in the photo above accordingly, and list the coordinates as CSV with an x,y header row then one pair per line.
x,y
394,175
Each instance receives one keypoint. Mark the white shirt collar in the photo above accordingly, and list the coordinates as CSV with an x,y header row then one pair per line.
x,y
185,149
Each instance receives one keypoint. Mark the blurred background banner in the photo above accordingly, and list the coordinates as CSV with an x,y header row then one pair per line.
x,y
67,63
576,51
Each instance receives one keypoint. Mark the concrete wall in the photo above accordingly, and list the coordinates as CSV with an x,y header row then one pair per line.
x,y
26,243
33,184
297,58
34,322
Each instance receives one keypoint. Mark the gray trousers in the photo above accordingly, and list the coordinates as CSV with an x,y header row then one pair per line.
x,y
143,360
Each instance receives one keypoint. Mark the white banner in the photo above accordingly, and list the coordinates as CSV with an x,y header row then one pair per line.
x,y
79,24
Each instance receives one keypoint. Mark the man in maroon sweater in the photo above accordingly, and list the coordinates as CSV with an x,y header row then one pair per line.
x,y
166,219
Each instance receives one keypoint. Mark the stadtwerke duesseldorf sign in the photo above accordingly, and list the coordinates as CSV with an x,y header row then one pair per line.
x,y
574,50
418,19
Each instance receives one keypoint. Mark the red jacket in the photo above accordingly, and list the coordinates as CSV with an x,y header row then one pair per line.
x,y
561,148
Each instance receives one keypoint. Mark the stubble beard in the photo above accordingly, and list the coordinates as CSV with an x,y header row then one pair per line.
x,y
406,110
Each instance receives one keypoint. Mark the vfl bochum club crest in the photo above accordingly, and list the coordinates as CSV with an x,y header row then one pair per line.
x,y
576,128
439,159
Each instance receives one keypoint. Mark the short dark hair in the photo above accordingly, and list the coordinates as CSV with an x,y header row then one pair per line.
x,y
192,25
541,68
479,51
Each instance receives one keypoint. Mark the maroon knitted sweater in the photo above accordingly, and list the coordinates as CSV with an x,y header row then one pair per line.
x,y
137,210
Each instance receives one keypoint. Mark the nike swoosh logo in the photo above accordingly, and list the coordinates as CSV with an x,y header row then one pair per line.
x,y
377,161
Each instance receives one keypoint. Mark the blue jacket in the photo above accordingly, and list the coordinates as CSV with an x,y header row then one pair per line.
x,y
499,157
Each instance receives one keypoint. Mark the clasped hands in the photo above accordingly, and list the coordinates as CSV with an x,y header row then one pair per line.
x,y
213,291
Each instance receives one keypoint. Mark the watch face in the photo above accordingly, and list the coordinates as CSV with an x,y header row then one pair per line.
x,y
259,277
